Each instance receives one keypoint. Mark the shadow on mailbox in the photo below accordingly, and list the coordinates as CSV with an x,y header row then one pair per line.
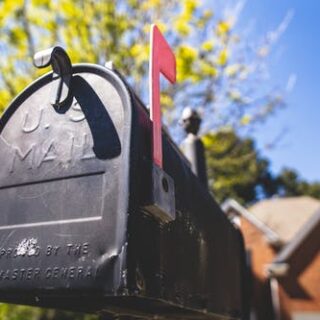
x,y
75,228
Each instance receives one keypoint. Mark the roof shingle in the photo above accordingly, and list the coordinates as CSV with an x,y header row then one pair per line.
x,y
285,216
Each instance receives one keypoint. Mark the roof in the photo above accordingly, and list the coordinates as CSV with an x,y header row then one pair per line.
x,y
294,221
299,238
285,216
233,205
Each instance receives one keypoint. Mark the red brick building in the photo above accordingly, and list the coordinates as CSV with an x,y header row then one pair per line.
x,y
282,237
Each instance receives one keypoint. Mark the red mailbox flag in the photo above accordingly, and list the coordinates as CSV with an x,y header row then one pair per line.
x,y
162,60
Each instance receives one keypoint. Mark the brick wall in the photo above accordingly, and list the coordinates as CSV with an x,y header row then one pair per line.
x,y
304,295
296,295
261,254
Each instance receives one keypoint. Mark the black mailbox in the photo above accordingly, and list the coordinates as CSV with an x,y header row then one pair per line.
x,y
76,228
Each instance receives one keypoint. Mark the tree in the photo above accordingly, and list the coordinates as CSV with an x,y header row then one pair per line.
x,y
290,184
13,312
216,70
236,169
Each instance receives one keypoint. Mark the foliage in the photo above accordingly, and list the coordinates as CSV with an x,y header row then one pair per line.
x,y
216,70
13,312
235,168
291,184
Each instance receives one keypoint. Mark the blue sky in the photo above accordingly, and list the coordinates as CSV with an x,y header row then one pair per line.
x,y
297,53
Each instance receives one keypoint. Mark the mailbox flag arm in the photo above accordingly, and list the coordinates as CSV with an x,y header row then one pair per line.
x,y
161,201
162,61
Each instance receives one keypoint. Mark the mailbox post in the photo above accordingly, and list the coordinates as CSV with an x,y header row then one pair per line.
x,y
192,145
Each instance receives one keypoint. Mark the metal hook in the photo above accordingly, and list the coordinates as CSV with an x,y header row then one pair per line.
x,y
62,72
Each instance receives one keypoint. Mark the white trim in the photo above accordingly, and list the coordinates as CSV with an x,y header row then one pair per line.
x,y
274,285
276,270
272,237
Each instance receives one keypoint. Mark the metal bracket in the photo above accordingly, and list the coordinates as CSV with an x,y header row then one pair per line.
x,y
62,73
161,200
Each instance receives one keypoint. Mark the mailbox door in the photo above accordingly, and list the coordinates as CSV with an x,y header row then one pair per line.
x,y
64,180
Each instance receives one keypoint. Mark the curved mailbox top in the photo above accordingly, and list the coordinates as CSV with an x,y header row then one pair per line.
x,y
64,180
80,213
